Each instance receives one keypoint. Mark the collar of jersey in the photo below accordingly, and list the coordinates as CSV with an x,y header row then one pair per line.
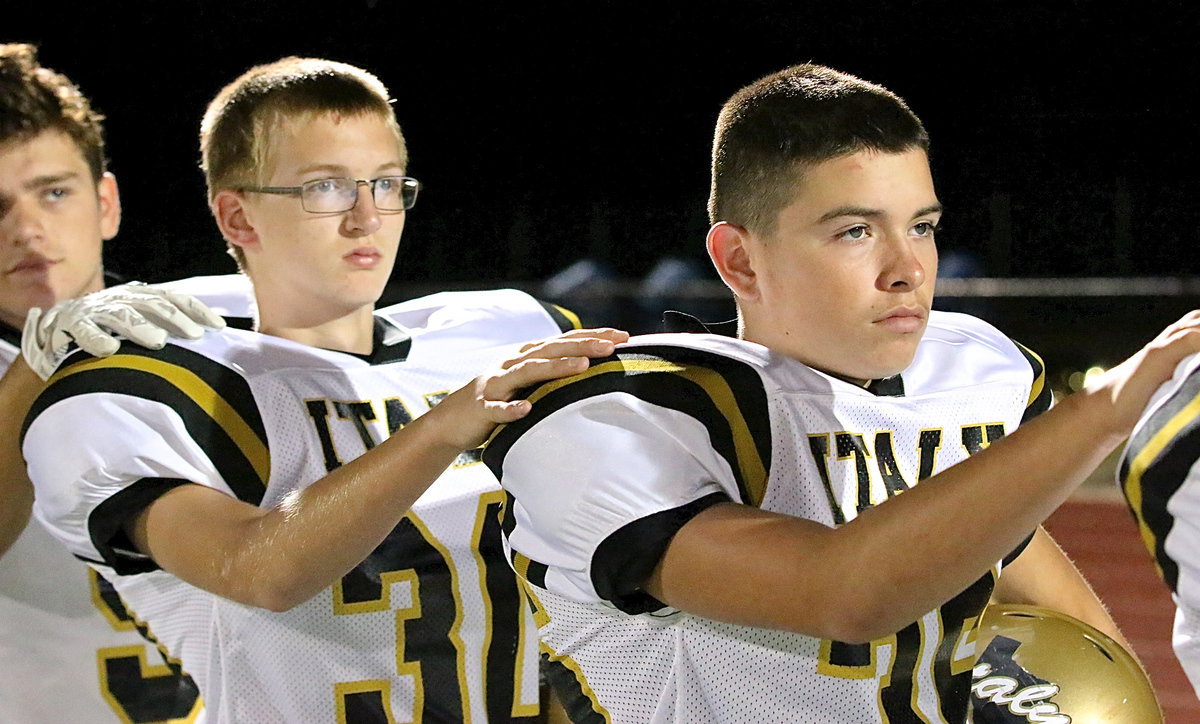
x,y
389,343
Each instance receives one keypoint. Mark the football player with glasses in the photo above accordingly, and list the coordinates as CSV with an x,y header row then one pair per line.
x,y
298,510
338,195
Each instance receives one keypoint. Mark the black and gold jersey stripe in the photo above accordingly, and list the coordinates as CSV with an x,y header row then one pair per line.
x,y
214,402
1040,394
1156,463
563,317
723,394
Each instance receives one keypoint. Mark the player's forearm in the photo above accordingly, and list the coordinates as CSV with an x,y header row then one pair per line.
x,y
19,387
277,558
954,526
895,562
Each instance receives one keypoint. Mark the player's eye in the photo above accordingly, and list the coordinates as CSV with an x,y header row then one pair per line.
x,y
855,233
55,193
924,228
323,186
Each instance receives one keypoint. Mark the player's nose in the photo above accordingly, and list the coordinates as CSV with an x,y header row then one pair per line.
x,y
21,223
363,219
905,265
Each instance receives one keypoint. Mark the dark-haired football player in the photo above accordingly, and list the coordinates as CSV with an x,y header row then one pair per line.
x,y
805,523
69,650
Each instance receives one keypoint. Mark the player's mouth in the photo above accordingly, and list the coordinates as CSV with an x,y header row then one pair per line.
x,y
364,257
903,319
33,264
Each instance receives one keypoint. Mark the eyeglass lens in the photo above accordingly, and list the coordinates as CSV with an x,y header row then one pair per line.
x,y
333,195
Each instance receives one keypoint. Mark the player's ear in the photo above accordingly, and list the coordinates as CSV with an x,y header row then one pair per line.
x,y
727,247
110,206
229,210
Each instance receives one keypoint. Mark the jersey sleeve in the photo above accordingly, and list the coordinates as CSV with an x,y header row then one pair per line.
x,y
612,463
108,436
1041,397
1160,478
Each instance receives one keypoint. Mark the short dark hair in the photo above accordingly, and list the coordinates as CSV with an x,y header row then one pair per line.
x,y
769,132
34,99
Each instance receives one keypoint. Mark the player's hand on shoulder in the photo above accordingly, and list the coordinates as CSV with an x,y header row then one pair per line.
x,y
1128,387
473,411
144,314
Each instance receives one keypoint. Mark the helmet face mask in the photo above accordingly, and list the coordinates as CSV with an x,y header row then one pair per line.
x,y
1040,666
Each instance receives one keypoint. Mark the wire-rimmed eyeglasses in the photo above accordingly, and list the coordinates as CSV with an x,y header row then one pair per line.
x,y
336,195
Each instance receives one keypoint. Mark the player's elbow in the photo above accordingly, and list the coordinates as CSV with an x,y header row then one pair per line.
x,y
860,619
277,596
848,618
278,602
276,588
854,627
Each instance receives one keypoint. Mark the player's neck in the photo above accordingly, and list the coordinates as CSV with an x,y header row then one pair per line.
x,y
352,332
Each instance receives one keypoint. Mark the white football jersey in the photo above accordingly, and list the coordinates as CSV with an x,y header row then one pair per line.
x,y
1160,477
416,629
69,650
612,462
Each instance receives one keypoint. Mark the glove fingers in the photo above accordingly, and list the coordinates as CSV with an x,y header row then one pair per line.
x,y
126,322
196,310
94,340
182,311
147,311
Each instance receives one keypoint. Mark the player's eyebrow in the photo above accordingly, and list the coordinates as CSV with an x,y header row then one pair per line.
x,y
931,209
849,211
871,213
338,170
49,179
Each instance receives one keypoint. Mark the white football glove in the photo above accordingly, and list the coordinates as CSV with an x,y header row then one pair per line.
x,y
143,314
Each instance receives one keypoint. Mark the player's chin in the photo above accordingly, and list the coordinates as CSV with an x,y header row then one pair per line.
x,y
890,360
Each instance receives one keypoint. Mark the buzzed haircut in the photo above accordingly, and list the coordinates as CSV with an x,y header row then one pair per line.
x,y
772,130
235,131
34,99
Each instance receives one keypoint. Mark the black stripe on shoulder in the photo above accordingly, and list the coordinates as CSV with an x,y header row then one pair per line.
x,y
564,318
524,566
535,573
625,559
724,394
1156,463
528,569
214,402
106,524
1040,394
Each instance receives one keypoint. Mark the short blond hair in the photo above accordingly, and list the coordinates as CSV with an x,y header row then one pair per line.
x,y
235,133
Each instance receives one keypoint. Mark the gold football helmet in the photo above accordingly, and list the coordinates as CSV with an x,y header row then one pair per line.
x,y
1038,665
